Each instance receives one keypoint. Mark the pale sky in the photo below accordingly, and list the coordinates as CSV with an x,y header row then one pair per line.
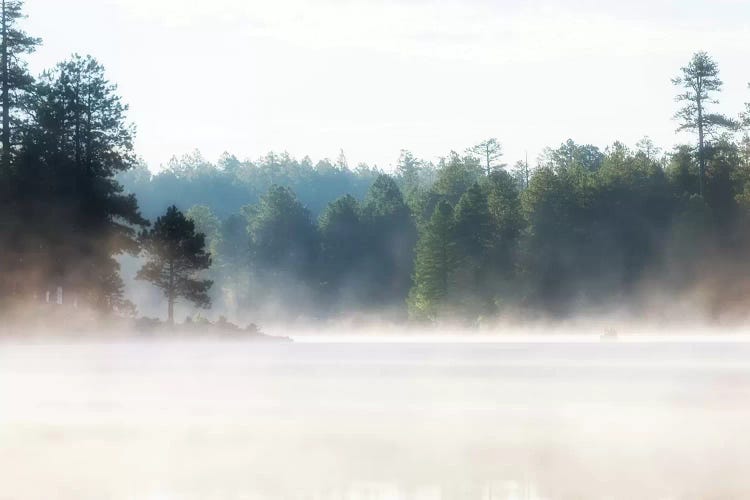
x,y
372,77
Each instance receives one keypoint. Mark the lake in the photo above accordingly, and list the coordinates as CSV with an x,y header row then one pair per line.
x,y
409,419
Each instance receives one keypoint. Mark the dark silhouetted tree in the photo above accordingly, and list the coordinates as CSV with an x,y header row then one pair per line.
x,y
176,254
15,80
15,85
78,141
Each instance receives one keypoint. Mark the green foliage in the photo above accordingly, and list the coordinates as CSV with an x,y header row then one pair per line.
x,y
455,176
384,199
435,264
473,224
207,223
504,205
231,267
15,81
521,174
744,120
592,233
391,236
572,156
408,170
342,237
233,243
583,228
507,223
474,237
488,152
78,139
700,81
283,236
648,149
229,184
176,254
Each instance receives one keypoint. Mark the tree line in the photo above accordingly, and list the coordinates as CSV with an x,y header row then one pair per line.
x,y
470,237
466,237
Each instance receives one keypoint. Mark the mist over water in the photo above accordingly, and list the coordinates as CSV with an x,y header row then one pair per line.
x,y
517,419
467,322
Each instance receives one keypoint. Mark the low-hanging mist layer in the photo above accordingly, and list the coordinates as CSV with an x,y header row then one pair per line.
x,y
410,420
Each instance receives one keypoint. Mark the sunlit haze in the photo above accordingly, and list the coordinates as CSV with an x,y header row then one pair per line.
x,y
371,78
186,316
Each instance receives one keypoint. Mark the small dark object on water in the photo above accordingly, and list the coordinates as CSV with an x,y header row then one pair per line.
x,y
609,335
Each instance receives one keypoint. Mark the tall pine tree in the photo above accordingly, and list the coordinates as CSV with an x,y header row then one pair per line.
x,y
389,240
700,82
15,80
474,239
15,84
79,140
434,266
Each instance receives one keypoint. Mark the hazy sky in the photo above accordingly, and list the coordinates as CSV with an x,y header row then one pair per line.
x,y
373,77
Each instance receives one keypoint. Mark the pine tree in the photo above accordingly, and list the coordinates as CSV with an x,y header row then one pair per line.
x,y
455,176
14,76
77,142
176,254
435,264
389,243
341,237
504,205
700,81
474,238
489,152
15,82
408,171
283,237
473,224
231,263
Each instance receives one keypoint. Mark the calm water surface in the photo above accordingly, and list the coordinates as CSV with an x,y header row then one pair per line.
x,y
512,420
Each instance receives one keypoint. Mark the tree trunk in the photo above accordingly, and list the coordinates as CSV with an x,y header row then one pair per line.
x,y
526,171
77,107
5,93
170,311
170,295
701,157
